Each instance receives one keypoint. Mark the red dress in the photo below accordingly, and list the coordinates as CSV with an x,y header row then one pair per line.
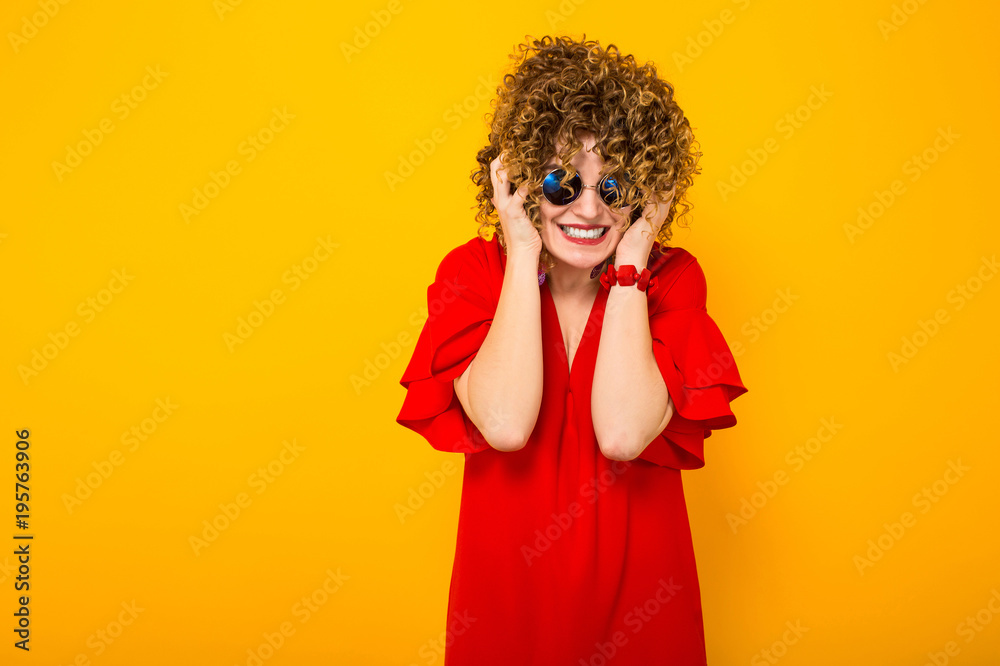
x,y
563,556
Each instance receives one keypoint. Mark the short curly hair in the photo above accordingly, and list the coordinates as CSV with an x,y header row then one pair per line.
x,y
558,85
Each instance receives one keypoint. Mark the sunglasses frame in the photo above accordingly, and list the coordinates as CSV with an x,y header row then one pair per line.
x,y
636,212
577,191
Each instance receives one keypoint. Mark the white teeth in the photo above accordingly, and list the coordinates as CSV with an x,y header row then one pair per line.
x,y
580,233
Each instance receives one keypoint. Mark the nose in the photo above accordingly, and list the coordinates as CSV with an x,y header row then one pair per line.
x,y
588,204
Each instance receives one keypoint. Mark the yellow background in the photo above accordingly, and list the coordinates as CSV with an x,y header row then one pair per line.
x,y
357,114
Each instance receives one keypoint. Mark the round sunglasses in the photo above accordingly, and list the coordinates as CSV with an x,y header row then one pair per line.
x,y
610,189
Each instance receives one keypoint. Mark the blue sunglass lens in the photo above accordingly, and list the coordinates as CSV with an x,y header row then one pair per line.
x,y
555,193
611,189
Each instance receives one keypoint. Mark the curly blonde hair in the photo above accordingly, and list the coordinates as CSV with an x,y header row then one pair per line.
x,y
557,86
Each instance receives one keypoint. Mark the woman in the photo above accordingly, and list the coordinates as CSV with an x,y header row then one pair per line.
x,y
572,360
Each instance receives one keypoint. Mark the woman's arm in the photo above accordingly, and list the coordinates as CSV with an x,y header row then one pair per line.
x,y
501,390
630,404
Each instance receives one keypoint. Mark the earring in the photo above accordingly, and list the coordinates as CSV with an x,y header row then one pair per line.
x,y
541,277
600,267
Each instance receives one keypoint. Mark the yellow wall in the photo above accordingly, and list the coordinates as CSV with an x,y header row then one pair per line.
x,y
177,227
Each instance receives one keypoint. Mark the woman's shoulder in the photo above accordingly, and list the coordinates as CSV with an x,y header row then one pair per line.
x,y
671,262
476,254
680,281
477,266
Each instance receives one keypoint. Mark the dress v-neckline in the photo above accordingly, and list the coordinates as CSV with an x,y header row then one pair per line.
x,y
561,341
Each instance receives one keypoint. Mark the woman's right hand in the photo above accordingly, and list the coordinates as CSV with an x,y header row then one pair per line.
x,y
518,232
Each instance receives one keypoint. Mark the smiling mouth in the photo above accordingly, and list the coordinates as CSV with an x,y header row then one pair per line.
x,y
584,232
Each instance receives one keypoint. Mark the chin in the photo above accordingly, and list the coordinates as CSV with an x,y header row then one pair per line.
x,y
568,252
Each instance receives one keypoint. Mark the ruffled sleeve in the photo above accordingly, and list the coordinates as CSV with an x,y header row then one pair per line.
x,y
460,309
698,369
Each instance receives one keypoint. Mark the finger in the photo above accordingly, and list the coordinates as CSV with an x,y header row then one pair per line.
x,y
667,203
670,195
500,191
658,218
520,194
649,212
503,185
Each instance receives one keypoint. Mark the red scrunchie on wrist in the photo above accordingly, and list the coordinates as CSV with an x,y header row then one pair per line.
x,y
627,275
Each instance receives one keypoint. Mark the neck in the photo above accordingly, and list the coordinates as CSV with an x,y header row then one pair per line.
x,y
570,281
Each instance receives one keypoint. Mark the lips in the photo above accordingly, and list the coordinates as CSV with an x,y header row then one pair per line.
x,y
584,227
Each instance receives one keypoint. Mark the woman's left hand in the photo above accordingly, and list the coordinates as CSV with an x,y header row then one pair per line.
x,y
637,243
